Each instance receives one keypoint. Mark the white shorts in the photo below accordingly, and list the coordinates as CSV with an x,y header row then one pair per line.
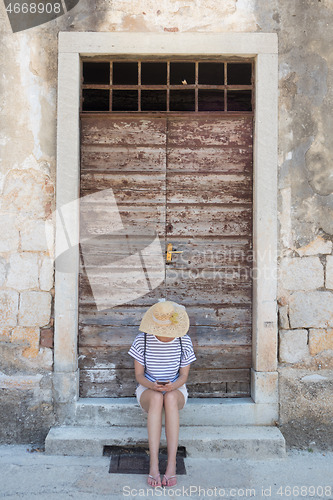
x,y
140,389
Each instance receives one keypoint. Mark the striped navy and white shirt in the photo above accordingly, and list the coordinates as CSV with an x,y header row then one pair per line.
x,y
162,358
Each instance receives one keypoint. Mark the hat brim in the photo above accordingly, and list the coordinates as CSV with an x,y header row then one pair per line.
x,y
177,329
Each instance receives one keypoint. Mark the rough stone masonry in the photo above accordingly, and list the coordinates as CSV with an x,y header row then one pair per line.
x,y
27,198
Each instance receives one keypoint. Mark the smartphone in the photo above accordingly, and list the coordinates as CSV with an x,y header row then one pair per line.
x,y
161,383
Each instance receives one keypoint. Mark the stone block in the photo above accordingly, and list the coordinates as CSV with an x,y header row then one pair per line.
x,y
28,192
37,235
44,360
21,382
306,407
3,271
23,271
8,307
311,309
329,272
283,318
315,247
46,273
29,336
26,407
320,340
305,273
293,346
264,352
264,387
9,240
5,333
46,337
66,387
35,308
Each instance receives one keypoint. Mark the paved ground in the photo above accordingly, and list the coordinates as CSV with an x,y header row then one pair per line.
x,y
34,475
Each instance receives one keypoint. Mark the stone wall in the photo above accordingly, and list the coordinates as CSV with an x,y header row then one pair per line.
x,y
305,292
27,188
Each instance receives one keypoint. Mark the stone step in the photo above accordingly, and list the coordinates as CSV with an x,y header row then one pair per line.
x,y
256,442
198,411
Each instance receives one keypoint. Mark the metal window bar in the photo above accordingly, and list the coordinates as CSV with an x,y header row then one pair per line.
x,y
196,86
139,86
111,80
225,84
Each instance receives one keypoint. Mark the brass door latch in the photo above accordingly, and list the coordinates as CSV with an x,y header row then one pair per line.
x,y
169,252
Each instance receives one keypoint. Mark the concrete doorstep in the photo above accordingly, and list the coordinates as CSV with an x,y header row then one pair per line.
x,y
224,442
197,412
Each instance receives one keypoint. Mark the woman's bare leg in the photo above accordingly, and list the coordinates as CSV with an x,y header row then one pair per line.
x,y
152,402
173,402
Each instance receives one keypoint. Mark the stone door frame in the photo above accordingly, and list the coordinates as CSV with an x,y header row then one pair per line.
x,y
263,47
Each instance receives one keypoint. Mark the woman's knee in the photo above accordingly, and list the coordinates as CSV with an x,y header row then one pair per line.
x,y
157,397
172,399
154,400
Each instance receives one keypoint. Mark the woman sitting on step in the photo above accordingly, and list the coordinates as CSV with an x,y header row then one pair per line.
x,y
162,357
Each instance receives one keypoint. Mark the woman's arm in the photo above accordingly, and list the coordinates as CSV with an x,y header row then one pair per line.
x,y
141,379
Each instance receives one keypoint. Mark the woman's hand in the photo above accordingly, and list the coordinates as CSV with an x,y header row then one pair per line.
x,y
162,387
168,386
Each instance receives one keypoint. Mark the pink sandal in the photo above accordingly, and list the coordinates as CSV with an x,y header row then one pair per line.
x,y
157,479
166,480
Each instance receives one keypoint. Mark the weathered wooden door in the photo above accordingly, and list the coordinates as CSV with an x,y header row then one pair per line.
x,y
146,182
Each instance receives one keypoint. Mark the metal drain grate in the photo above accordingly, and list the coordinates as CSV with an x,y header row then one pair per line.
x,y
135,460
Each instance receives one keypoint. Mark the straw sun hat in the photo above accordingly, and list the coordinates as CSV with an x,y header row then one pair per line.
x,y
165,319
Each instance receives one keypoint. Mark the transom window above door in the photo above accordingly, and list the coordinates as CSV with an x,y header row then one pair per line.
x,y
167,86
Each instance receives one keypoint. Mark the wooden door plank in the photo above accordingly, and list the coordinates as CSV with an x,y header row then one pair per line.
x,y
111,158
208,357
203,188
195,133
120,382
231,160
210,287
216,316
122,131
128,187
113,337
198,220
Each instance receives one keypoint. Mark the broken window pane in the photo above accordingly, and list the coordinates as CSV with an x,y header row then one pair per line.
x,y
124,100
239,74
125,73
211,73
211,100
153,73
96,73
153,100
95,100
239,100
182,100
182,73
